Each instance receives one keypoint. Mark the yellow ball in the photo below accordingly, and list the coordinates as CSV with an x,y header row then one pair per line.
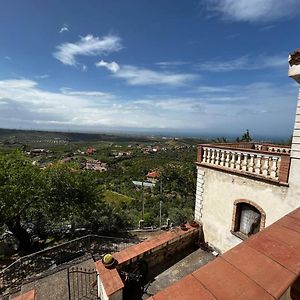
x,y
107,259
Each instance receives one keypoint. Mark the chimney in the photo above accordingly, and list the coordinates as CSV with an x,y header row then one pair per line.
x,y
294,65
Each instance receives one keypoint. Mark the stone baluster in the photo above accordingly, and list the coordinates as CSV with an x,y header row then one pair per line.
x,y
274,167
208,155
222,162
238,161
257,166
227,158
245,162
204,154
265,166
251,163
213,155
232,161
218,157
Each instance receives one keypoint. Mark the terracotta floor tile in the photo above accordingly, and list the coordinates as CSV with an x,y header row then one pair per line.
x,y
270,275
288,236
188,288
295,214
282,253
226,282
290,223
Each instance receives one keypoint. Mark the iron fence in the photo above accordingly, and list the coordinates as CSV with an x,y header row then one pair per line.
x,y
82,284
33,265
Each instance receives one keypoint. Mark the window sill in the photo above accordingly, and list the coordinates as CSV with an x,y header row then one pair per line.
x,y
240,235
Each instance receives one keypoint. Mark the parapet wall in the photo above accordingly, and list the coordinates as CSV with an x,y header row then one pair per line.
x,y
153,251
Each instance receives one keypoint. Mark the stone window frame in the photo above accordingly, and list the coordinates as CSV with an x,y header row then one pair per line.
x,y
236,217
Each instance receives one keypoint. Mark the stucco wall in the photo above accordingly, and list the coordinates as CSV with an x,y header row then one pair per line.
x,y
296,134
221,189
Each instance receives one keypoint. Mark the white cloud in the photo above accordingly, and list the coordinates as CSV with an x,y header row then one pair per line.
x,y
113,66
140,76
68,91
254,10
244,63
219,109
171,64
7,57
87,46
43,76
64,28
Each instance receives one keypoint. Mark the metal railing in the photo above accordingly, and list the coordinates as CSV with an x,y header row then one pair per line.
x,y
35,264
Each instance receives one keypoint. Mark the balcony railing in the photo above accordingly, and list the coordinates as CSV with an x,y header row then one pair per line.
x,y
265,161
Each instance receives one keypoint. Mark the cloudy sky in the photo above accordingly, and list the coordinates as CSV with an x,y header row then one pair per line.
x,y
211,67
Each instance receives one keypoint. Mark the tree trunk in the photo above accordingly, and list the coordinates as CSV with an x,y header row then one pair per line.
x,y
14,225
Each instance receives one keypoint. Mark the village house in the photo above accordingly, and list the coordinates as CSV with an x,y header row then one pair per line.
x,y
152,176
90,151
95,165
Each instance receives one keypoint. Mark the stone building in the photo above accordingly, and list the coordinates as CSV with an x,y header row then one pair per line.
x,y
244,187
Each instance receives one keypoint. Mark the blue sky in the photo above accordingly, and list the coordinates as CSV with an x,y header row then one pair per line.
x,y
210,67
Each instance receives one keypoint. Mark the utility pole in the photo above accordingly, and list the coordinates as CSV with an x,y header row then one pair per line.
x,y
160,204
143,201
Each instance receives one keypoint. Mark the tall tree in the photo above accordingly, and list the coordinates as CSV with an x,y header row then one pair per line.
x,y
20,191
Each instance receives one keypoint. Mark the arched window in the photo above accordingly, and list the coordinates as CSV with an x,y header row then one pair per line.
x,y
248,218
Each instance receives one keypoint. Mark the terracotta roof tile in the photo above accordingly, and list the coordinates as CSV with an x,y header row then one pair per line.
x,y
263,270
224,281
188,288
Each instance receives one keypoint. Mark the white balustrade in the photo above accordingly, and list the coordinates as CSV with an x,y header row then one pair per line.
x,y
262,164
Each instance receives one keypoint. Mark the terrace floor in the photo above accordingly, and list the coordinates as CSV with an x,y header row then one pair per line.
x,y
168,273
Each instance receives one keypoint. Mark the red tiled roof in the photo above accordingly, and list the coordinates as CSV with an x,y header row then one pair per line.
x,y
26,296
262,267
153,174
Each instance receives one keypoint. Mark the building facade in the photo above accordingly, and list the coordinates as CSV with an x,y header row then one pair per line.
x,y
244,187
